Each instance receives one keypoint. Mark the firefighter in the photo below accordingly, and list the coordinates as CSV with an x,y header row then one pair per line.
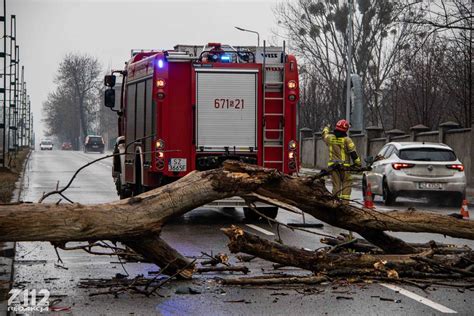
x,y
341,151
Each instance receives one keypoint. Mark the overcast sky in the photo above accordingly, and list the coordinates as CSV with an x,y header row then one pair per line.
x,y
109,29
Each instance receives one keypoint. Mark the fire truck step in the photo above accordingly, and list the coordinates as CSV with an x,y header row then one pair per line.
x,y
275,65
273,98
274,83
273,130
273,114
273,161
272,145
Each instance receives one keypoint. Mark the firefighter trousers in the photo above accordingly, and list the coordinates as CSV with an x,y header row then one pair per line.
x,y
341,184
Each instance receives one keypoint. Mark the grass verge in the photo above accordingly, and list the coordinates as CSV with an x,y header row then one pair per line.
x,y
8,177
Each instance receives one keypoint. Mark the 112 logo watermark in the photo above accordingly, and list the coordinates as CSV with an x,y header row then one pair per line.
x,y
24,301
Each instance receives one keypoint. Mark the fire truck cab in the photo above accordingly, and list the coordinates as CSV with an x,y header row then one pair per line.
x,y
193,107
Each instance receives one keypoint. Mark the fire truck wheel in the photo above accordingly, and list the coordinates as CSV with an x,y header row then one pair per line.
x,y
270,212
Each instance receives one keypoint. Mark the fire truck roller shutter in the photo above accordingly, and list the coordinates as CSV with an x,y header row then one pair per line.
x,y
226,109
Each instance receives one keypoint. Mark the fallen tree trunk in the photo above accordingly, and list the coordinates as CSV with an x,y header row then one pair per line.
x,y
323,262
133,221
241,241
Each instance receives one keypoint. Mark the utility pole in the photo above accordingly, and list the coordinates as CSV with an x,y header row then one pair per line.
x,y
349,61
3,90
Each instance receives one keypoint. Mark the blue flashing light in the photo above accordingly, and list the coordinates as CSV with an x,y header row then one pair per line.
x,y
225,58
160,63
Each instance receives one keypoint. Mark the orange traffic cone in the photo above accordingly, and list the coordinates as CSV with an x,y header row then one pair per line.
x,y
464,209
368,200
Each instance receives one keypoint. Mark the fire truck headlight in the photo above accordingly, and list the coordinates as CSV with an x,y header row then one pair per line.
x,y
291,85
160,83
160,144
291,155
292,97
292,145
161,154
160,95
160,63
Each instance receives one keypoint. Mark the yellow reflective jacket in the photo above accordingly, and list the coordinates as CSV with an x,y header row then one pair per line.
x,y
340,149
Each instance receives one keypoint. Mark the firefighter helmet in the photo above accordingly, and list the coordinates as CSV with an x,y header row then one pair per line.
x,y
342,126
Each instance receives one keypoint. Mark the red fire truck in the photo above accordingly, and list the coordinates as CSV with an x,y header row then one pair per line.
x,y
193,107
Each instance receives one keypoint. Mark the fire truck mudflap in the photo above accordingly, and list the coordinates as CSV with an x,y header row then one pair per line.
x,y
226,110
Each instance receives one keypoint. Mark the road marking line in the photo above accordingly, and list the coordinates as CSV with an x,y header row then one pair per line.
x,y
266,232
420,299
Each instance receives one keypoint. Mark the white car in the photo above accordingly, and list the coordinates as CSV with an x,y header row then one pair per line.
x,y
46,145
416,169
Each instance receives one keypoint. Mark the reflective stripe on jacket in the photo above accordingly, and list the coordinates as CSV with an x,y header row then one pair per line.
x,y
339,148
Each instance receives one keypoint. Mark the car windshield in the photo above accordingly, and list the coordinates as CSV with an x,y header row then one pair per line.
x,y
427,154
47,143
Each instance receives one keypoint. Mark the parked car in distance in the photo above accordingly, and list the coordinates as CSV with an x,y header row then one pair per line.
x,y
416,169
46,144
94,143
66,146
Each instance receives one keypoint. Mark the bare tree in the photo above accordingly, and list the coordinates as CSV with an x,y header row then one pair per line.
x,y
318,34
79,75
71,109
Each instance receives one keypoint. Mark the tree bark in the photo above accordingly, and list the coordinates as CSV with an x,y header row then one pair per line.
x,y
134,220
241,241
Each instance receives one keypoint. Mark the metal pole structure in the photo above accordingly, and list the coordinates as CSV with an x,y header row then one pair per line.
x,y
4,91
250,31
32,130
10,98
15,95
21,122
349,62
28,131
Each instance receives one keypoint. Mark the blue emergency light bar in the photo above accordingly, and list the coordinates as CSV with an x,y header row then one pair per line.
x,y
226,58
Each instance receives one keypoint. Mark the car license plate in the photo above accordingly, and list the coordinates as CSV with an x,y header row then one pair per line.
x,y
430,186
95,146
177,164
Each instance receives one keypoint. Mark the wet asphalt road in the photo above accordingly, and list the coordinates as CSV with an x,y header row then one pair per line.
x,y
192,234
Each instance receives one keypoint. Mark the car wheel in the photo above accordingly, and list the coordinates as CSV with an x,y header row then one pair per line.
x,y
270,212
364,186
388,197
456,199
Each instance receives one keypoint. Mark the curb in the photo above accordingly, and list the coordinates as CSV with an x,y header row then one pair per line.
x,y
8,250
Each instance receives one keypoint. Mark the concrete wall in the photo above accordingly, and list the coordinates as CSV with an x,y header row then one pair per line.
x,y
307,152
315,152
322,154
458,142
375,146
429,137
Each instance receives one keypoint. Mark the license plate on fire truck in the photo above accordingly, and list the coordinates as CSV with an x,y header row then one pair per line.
x,y
177,164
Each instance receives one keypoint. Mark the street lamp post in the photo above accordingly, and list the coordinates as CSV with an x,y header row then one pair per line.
x,y
250,31
349,63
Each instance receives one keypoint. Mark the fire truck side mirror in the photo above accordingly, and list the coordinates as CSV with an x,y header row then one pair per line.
x,y
109,100
109,81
